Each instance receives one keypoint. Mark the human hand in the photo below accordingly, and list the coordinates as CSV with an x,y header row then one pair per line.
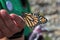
x,y
10,24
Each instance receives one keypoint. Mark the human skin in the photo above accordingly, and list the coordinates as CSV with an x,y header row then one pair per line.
x,y
10,24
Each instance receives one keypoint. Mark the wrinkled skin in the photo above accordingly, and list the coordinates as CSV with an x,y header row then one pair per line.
x,y
10,24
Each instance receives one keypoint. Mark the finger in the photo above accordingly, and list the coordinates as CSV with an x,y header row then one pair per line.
x,y
19,21
8,22
4,29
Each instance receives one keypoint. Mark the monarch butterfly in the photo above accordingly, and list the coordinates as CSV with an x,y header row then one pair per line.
x,y
32,20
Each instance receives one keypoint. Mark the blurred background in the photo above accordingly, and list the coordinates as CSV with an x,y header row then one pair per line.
x,y
51,10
